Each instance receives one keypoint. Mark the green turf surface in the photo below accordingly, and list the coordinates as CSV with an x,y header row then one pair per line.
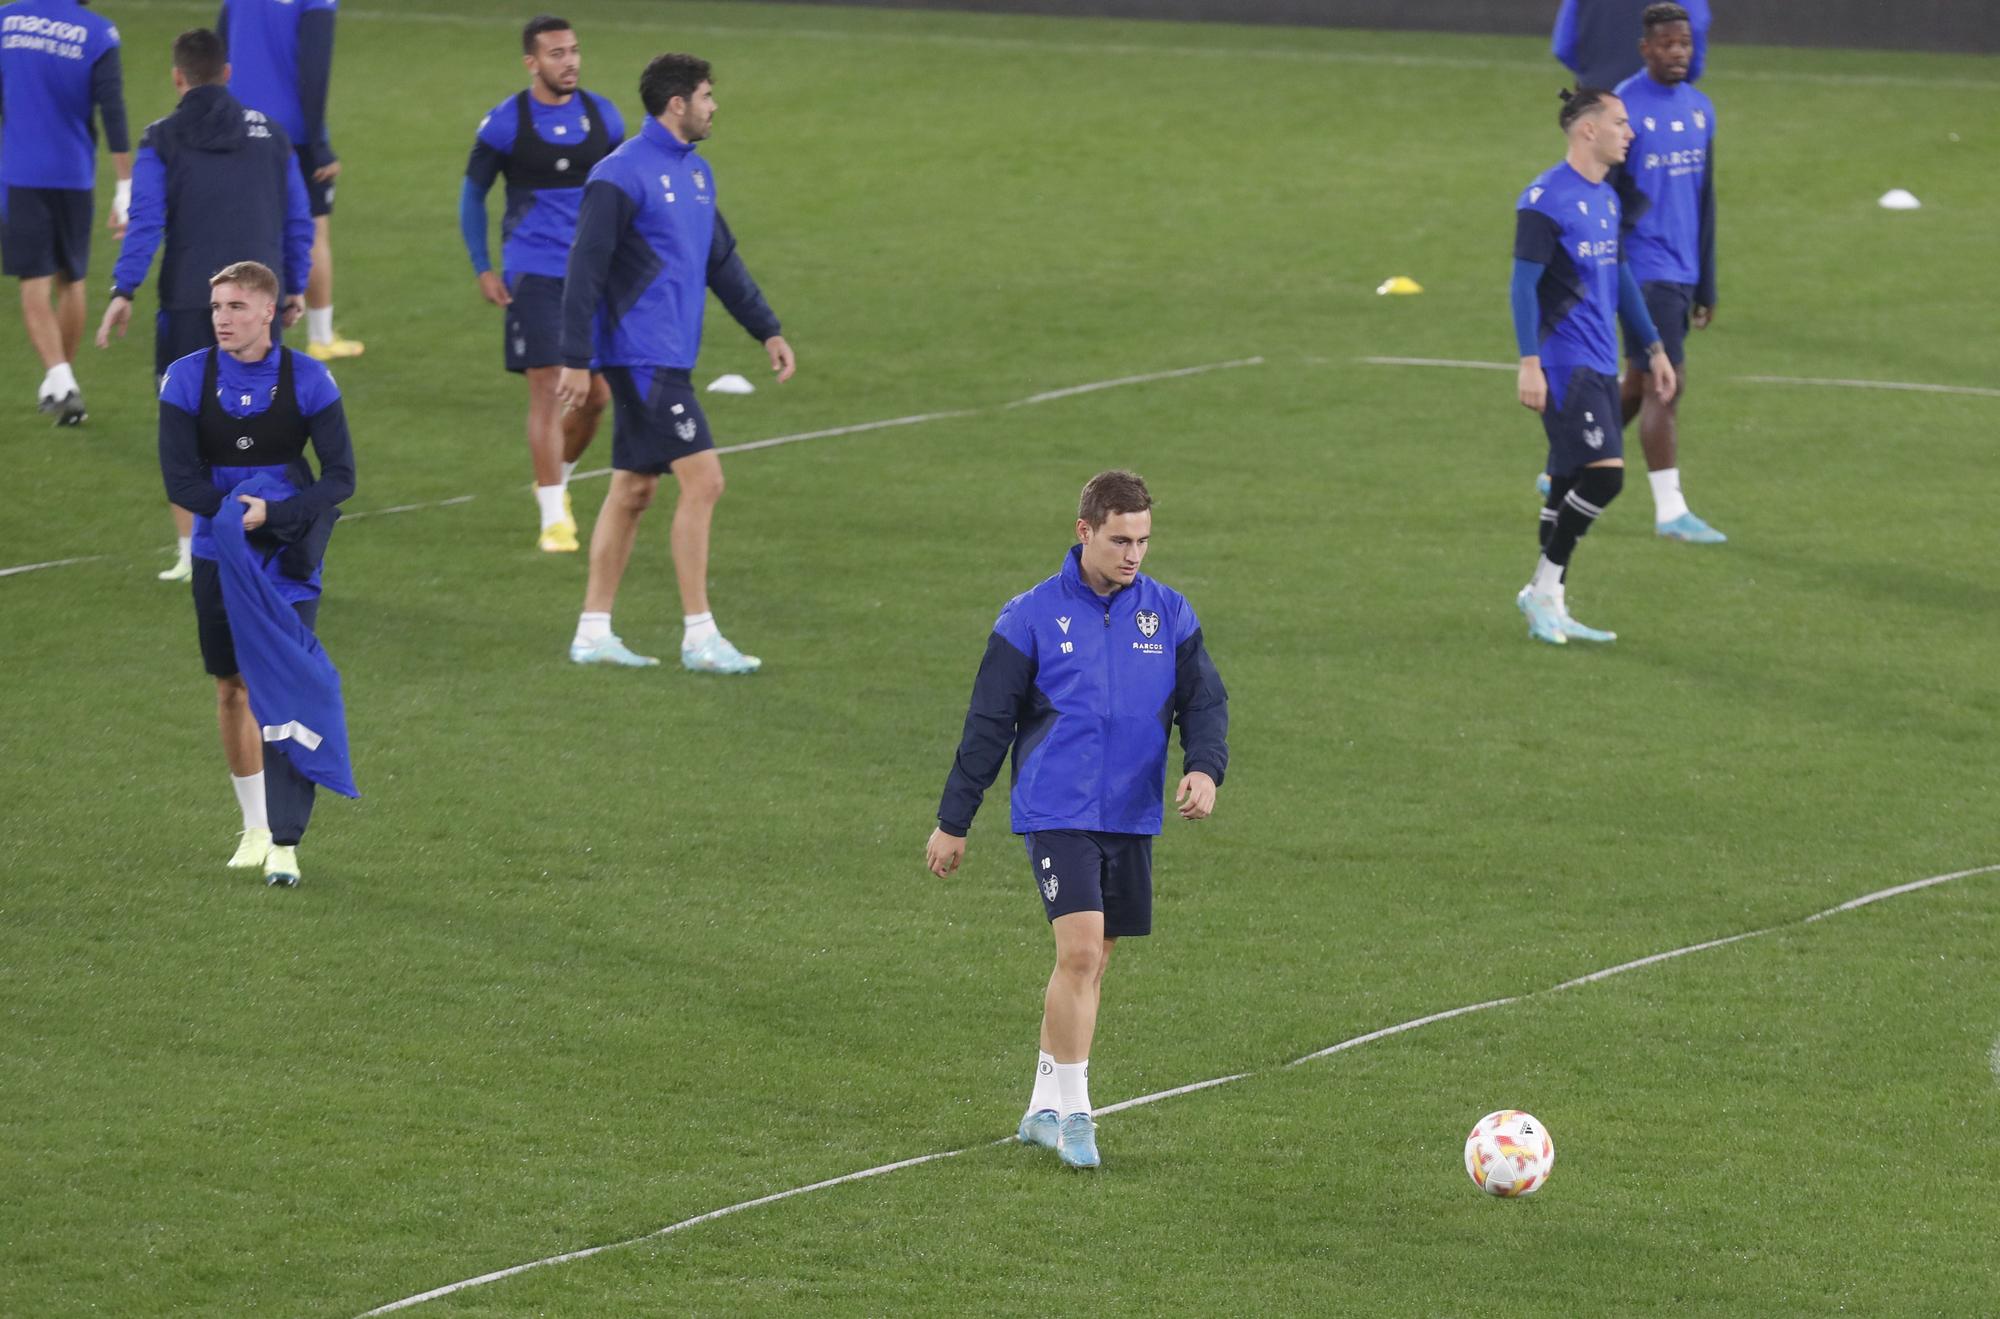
x,y
599,951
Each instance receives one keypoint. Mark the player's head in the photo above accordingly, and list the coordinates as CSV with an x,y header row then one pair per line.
x,y
1666,43
1114,521
548,48
242,302
679,91
1595,121
200,60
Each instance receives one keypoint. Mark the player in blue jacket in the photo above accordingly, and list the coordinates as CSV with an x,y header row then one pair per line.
x,y
1570,285
281,61
651,244
545,141
1083,676
58,62
1670,243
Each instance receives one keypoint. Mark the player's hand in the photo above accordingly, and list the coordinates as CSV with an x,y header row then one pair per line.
x,y
253,512
573,386
494,289
1533,387
294,308
782,360
1196,796
117,316
943,853
326,171
1662,370
1702,316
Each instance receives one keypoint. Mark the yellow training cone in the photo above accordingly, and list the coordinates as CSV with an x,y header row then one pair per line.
x,y
1400,284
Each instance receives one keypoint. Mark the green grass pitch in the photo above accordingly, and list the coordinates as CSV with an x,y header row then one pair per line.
x,y
601,951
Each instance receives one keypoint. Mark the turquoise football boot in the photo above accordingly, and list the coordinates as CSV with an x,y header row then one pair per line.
x,y
716,655
1691,530
1076,1141
1039,1128
607,650
1544,616
1576,631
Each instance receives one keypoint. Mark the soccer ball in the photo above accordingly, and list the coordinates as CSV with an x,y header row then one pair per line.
x,y
1509,1153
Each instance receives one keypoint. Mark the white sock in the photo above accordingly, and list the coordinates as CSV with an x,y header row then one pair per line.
x,y
1548,579
1073,1084
592,627
250,797
550,498
319,323
569,470
59,381
187,552
1668,502
1045,1095
699,628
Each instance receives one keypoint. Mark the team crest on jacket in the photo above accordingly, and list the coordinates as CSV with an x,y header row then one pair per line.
x,y
1149,622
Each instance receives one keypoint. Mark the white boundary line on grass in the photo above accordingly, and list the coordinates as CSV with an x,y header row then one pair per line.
x,y
830,432
1866,899
1977,391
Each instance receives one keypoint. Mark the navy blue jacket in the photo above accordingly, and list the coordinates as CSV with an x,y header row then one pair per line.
x,y
220,184
650,242
1084,689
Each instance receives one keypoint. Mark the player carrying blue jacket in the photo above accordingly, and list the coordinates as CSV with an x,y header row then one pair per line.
x,y
1570,284
1083,676
58,62
545,141
1670,243
651,244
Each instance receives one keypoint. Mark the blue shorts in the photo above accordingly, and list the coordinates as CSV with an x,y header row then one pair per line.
x,y
1584,421
211,620
656,419
1082,870
319,196
1671,307
534,322
44,231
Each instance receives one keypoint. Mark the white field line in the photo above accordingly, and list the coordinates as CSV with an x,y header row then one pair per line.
x,y
1880,895
977,42
1978,391
1993,1058
915,419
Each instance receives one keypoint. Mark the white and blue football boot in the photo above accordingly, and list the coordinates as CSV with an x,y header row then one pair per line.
x,y
1076,1141
1544,616
716,655
607,650
1690,529
1040,1127
1576,631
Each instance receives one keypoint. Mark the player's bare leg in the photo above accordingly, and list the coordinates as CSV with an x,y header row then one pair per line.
x,y
54,331
579,424
183,568
70,308
611,541
322,342
243,749
545,455
1069,1021
1659,437
703,648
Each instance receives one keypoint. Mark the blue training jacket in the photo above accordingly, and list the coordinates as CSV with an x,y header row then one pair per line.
x,y
1084,689
1598,40
294,688
649,244
57,61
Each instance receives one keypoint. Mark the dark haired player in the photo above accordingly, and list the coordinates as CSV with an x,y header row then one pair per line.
x,y
1082,676
1593,39
215,183
58,62
545,140
243,412
1670,243
281,57
650,243
1569,285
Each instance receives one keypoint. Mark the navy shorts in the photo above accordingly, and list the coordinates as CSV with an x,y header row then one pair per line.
x,y
1082,870
211,621
1583,420
656,419
1672,307
319,196
44,231
534,322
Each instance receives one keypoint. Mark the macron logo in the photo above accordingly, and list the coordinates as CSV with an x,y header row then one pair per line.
x,y
1063,623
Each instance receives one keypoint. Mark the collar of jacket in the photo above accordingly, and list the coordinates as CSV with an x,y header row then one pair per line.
x,y
656,133
1073,583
